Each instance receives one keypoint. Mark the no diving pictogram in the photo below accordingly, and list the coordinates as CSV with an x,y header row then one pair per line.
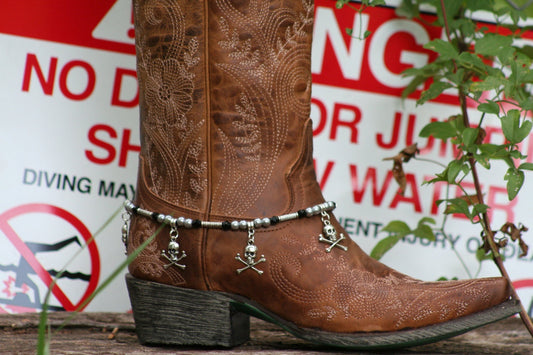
x,y
29,257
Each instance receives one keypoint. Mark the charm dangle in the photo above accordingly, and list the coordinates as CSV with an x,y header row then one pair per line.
x,y
330,234
250,253
173,251
126,217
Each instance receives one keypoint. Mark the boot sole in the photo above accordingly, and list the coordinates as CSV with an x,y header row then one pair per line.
x,y
169,315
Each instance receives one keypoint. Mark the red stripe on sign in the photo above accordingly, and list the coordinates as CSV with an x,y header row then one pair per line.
x,y
523,283
63,21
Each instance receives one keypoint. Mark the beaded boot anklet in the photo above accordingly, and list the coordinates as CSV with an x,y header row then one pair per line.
x,y
172,254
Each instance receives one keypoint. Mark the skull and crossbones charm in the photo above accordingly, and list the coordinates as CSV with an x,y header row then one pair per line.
x,y
250,253
329,235
172,254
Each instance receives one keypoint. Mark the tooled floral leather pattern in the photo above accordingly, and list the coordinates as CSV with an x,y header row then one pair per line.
x,y
147,265
172,139
362,298
262,58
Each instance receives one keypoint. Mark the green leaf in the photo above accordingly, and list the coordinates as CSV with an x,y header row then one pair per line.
x,y
469,137
489,107
434,90
490,83
512,130
494,151
472,61
340,3
476,5
516,154
481,255
383,246
413,85
457,205
377,3
515,180
425,220
480,208
526,166
407,9
398,228
491,44
424,231
483,160
444,48
439,130
454,168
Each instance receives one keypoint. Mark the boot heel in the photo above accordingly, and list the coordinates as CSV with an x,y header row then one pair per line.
x,y
171,315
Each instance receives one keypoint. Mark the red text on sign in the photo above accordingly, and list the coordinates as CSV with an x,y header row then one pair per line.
x,y
48,82
105,138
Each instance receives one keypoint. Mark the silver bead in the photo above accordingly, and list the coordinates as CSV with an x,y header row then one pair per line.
x,y
308,211
173,222
168,219
235,225
243,225
266,222
181,221
316,209
128,205
258,222
161,218
188,223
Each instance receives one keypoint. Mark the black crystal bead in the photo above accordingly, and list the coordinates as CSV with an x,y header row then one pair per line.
x,y
226,225
274,220
154,216
196,223
301,214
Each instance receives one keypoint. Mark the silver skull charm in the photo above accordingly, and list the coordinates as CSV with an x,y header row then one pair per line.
x,y
250,253
329,235
330,232
173,248
173,251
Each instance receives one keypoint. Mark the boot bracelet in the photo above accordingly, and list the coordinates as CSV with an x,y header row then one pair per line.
x,y
173,256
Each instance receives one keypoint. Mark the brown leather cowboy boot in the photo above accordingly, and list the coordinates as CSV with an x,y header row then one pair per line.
x,y
226,182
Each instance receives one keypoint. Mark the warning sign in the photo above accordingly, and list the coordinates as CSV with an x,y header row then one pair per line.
x,y
41,255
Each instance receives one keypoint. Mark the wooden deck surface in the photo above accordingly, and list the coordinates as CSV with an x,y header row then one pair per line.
x,y
114,333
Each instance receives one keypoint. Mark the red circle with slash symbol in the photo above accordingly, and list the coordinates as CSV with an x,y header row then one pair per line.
x,y
30,258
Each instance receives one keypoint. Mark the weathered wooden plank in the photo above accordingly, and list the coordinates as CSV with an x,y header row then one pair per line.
x,y
94,333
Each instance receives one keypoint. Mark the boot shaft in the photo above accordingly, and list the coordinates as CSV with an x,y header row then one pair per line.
x,y
225,99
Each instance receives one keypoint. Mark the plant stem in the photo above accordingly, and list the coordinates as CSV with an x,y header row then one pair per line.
x,y
485,220
488,234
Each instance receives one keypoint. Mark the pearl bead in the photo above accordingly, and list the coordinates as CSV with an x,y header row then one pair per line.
x,y
266,222
235,225
188,223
